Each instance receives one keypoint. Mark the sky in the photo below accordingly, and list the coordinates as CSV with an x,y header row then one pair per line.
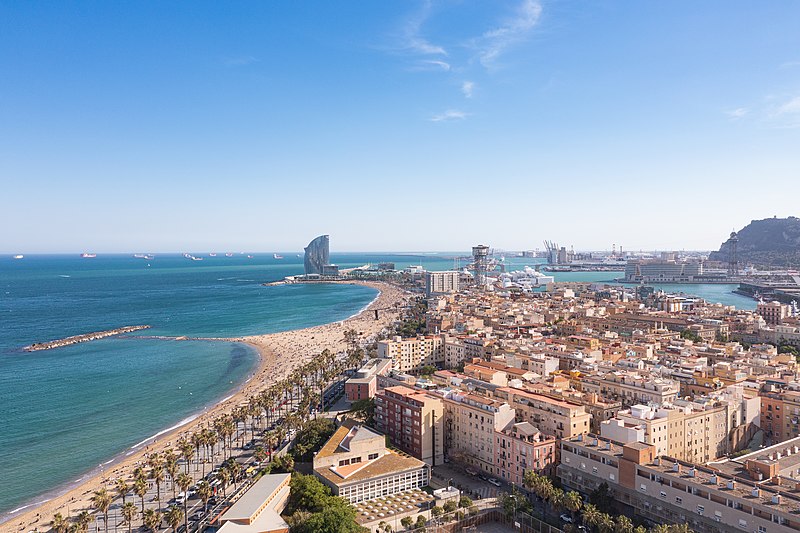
x,y
395,126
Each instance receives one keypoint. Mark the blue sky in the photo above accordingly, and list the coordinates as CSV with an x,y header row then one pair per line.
x,y
131,126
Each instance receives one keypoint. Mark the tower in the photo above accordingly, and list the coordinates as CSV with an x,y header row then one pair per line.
x,y
480,260
733,262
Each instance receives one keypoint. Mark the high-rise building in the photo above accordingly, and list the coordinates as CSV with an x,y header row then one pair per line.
x,y
441,282
317,255
413,420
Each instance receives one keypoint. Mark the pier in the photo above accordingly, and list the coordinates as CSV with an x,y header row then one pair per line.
x,y
68,341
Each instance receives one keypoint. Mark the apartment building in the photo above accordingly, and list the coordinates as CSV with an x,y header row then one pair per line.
x,y
521,447
413,420
689,432
663,490
441,282
364,383
551,416
631,388
409,355
780,415
471,422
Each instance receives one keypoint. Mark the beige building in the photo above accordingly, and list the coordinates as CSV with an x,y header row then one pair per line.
x,y
551,416
470,425
357,466
631,388
409,355
666,491
441,282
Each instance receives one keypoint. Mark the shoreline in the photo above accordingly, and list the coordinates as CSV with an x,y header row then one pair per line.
x,y
279,353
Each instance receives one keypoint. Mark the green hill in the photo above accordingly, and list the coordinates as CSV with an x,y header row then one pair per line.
x,y
773,242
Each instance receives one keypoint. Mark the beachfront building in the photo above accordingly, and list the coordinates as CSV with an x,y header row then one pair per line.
x,y
357,466
442,282
317,255
413,420
364,383
259,509
410,355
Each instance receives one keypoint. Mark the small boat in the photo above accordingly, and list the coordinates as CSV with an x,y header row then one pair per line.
x,y
18,256
277,256
229,255
249,256
88,256
212,255
197,258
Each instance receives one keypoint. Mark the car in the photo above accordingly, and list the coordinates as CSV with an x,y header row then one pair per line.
x,y
471,471
566,518
583,528
493,481
483,478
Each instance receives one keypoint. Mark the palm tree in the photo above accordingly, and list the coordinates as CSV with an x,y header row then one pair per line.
x,y
204,491
157,475
174,516
82,521
140,489
197,441
129,512
590,515
572,502
224,477
623,524
152,520
122,489
59,523
234,467
184,481
187,451
171,466
101,501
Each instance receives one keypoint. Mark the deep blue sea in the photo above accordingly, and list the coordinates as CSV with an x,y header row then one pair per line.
x,y
67,411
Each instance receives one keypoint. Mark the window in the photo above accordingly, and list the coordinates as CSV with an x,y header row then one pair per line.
x,y
742,523
643,487
372,456
701,509
762,529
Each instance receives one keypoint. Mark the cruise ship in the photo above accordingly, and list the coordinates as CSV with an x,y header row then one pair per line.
x,y
526,279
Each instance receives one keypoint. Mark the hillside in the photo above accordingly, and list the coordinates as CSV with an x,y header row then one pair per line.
x,y
771,242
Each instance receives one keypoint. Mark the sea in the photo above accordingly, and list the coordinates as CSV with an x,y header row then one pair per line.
x,y
68,413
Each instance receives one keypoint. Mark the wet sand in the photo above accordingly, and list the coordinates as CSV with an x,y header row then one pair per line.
x,y
279,353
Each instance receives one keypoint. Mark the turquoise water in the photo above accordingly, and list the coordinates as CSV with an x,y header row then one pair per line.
x,y
68,410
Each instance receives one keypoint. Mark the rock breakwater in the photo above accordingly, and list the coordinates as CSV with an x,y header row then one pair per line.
x,y
60,343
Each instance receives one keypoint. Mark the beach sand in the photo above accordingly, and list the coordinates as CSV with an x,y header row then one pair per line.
x,y
279,353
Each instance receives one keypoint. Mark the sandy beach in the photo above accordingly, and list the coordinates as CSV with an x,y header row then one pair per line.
x,y
279,353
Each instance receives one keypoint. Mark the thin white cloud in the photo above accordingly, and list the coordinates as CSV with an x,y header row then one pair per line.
x,y
736,114
494,42
450,114
789,108
413,41
468,87
790,64
433,64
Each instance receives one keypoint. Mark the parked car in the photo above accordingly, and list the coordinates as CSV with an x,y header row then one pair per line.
x,y
494,482
566,518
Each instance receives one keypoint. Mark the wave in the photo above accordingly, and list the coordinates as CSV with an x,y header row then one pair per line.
x,y
251,280
64,276
176,426
18,509
366,306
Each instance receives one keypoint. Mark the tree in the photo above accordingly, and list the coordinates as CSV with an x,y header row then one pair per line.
x,y
601,497
450,506
184,481
437,511
122,488
421,522
82,521
204,491
364,410
129,512
312,508
102,501
140,489
152,519
623,524
590,515
464,502
186,448
174,515
59,523
571,501
311,438
407,522
157,474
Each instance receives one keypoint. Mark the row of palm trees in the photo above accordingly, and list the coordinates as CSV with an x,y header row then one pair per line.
x,y
292,400
591,516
